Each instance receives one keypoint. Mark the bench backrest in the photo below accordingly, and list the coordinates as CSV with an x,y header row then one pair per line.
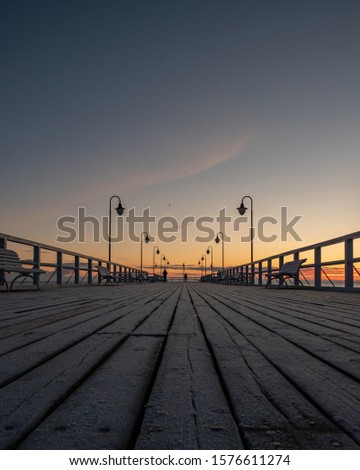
x,y
103,271
9,258
292,267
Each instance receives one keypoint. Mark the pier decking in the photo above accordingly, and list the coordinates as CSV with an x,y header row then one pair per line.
x,y
179,366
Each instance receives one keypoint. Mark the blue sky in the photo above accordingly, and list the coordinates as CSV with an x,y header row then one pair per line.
x,y
188,103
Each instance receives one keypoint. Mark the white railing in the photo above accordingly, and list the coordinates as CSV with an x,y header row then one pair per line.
x,y
63,267
317,272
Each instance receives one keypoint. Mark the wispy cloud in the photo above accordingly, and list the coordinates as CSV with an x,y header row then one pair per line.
x,y
184,166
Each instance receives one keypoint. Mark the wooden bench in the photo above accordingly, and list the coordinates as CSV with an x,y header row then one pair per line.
x,y
138,277
222,278
11,263
104,273
143,277
239,278
288,270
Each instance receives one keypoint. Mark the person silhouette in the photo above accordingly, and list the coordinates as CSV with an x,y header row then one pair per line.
x,y
185,277
165,275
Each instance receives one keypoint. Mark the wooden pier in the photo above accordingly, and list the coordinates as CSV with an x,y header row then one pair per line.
x,y
179,366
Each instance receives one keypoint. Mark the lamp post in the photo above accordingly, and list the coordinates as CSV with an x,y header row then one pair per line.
x,y
162,258
156,251
120,210
217,240
200,263
203,258
146,239
208,251
242,209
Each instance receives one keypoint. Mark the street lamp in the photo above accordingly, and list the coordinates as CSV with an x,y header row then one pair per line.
x,y
217,240
162,258
203,258
208,251
120,210
146,239
156,251
242,209
202,266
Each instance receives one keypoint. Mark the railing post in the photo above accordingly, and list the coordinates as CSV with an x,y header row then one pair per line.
x,y
77,270
59,267
269,268
98,276
296,277
317,269
260,274
36,262
2,275
90,267
252,273
349,270
281,262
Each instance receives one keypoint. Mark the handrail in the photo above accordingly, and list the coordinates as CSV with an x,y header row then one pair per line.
x,y
259,269
120,270
332,241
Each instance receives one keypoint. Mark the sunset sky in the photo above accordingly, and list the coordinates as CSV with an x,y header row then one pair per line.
x,y
183,107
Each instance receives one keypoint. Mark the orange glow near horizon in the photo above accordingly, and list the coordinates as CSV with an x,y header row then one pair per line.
x,y
190,253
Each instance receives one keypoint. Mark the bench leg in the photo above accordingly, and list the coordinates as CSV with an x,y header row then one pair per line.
x,y
299,281
25,276
278,278
270,278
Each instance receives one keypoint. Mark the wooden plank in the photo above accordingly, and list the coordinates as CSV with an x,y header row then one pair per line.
x,y
83,315
18,362
159,322
327,311
340,333
96,416
134,366
43,304
271,410
42,389
187,408
335,395
303,334
315,319
25,402
99,416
